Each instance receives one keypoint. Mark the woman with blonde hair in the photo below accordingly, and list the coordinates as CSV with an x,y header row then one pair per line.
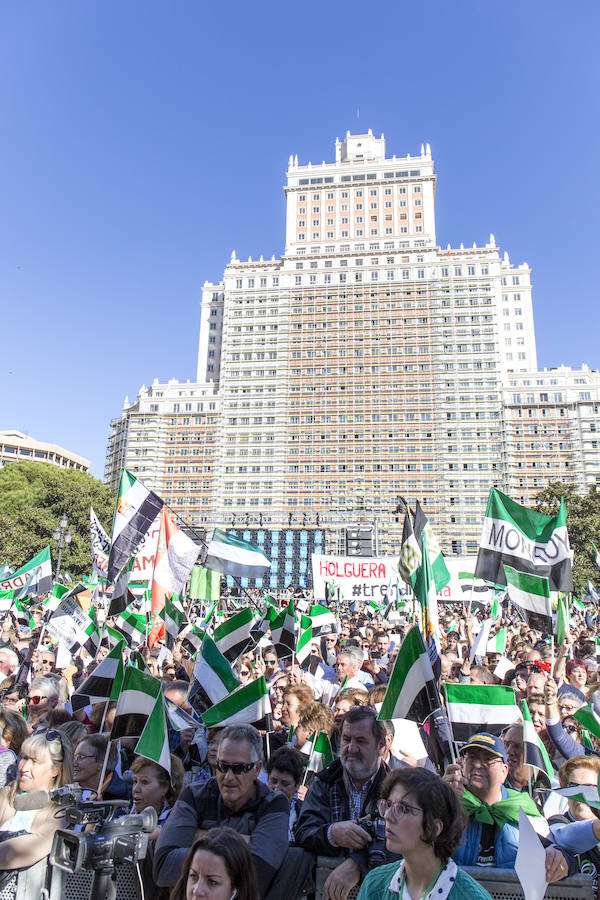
x,y
46,762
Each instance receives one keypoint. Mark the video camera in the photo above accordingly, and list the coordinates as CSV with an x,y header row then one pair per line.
x,y
110,838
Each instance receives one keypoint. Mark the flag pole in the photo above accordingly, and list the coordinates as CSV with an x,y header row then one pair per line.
x,y
205,545
310,756
104,765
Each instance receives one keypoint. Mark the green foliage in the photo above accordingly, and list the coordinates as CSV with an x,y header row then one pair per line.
x,y
33,497
583,524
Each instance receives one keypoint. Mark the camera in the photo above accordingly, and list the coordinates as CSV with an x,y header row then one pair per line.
x,y
375,827
110,841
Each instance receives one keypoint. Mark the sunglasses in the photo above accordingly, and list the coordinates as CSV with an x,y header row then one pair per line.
x,y
570,729
236,768
35,700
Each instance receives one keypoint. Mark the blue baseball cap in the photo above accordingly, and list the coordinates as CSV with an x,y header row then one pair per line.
x,y
485,741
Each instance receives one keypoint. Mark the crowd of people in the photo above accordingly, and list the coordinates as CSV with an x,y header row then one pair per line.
x,y
242,814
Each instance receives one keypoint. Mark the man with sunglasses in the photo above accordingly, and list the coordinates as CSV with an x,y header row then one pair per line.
x,y
237,799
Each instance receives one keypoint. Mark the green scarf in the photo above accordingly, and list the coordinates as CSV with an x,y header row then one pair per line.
x,y
506,810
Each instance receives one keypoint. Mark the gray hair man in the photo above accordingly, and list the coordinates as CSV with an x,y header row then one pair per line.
x,y
340,796
348,663
236,798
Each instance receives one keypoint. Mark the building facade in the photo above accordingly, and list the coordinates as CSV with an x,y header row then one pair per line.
x,y
15,446
365,365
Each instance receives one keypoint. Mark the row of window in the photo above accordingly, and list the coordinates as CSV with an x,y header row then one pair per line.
x,y
367,176
405,274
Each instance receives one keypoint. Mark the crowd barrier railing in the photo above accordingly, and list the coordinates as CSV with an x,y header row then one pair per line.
x,y
502,884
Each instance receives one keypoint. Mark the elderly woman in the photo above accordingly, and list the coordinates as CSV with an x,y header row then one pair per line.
x,y
424,823
26,836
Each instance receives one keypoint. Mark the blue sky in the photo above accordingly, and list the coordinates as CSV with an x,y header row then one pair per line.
x,y
143,141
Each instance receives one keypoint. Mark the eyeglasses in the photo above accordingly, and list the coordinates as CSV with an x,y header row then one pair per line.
x,y
572,784
82,756
35,700
397,809
487,763
236,768
244,671
570,729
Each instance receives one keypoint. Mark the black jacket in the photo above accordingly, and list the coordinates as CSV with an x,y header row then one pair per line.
x,y
327,802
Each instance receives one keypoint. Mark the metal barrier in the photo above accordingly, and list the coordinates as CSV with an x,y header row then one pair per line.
x,y
502,884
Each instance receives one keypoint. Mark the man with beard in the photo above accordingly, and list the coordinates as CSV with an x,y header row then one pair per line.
x,y
340,796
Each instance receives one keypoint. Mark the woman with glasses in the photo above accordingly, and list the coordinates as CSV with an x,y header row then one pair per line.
x,y
566,735
46,762
88,762
424,823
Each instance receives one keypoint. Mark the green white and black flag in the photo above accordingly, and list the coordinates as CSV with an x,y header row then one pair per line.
x,y
441,575
135,704
154,739
132,627
175,619
233,636
135,511
121,596
192,641
205,584
231,555
410,552
525,540
282,632
479,707
596,555
323,621
106,680
304,645
20,578
411,692
100,545
213,677
249,705
534,752
531,593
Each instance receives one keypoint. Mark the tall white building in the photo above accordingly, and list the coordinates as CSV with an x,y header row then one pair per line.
x,y
364,365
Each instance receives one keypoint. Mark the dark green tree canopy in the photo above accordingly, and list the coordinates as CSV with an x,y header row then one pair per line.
x,y
583,524
33,497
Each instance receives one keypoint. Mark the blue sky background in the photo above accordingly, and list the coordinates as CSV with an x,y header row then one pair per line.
x,y
142,141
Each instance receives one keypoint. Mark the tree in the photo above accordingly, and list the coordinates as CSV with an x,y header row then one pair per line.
x,y
33,497
583,524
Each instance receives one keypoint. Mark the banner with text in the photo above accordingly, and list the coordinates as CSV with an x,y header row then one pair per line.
x,y
376,578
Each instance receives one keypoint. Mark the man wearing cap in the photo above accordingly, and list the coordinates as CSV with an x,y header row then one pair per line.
x,y
491,837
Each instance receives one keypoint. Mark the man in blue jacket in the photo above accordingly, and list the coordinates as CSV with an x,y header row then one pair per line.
x,y
491,837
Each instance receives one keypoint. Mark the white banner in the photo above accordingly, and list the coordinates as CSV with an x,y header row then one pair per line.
x,y
68,623
376,578
358,578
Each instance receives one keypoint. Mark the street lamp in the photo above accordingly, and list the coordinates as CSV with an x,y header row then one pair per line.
x,y
62,538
